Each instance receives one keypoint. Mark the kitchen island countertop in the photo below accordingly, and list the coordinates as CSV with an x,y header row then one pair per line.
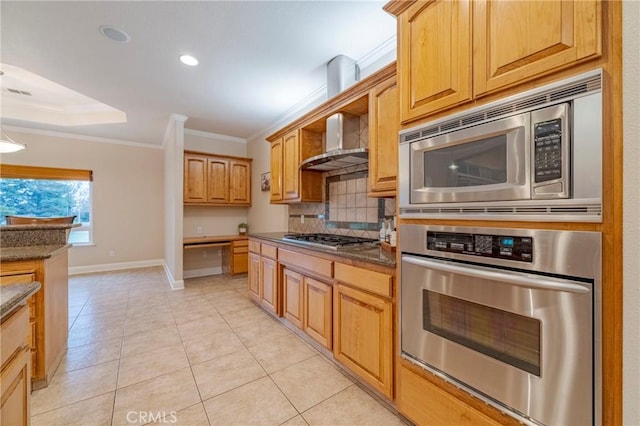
x,y
14,295
12,254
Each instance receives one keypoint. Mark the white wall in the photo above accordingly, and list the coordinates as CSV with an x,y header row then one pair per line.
x,y
631,287
173,171
127,193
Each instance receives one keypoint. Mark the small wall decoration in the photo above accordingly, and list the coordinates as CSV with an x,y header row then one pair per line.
x,y
265,181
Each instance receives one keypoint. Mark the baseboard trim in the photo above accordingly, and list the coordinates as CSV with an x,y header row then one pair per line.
x,y
195,273
105,267
175,284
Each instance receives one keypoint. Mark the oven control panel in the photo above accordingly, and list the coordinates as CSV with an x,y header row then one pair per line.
x,y
485,245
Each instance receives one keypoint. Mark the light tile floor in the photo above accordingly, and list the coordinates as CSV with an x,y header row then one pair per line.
x,y
141,353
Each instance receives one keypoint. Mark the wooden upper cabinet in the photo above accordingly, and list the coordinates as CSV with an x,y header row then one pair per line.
x,y
276,171
216,180
240,182
195,178
434,57
290,166
384,123
515,41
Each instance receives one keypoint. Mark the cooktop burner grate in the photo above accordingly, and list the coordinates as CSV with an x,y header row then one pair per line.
x,y
330,240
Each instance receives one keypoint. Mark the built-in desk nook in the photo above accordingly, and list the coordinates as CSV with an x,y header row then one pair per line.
x,y
235,250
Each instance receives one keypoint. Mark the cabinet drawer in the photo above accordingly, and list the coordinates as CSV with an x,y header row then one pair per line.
x,y
269,251
375,282
19,278
241,243
237,250
314,264
15,331
254,247
425,403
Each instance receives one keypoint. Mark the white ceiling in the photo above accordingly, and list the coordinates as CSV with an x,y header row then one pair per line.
x,y
257,58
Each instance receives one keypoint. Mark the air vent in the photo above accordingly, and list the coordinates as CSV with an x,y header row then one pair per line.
x,y
572,88
499,210
541,210
430,211
19,92
450,125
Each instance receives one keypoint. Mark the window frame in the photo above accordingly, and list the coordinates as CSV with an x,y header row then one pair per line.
x,y
12,171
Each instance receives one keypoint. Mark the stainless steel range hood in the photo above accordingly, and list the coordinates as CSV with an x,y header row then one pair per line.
x,y
342,138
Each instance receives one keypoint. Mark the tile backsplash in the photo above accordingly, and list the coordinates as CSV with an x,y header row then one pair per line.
x,y
347,210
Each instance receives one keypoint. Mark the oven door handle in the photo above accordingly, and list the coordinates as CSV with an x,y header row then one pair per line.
x,y
519,279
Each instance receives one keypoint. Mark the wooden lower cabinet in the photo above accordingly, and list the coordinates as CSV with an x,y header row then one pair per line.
x,y
318,311
363,335
269,295
48,311
15,375
292,296
253,278
424,403
239,256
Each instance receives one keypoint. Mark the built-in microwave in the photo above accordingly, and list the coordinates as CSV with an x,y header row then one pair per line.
x,y
535,156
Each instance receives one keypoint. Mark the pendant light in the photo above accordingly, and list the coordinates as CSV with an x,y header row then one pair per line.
x,y
9,145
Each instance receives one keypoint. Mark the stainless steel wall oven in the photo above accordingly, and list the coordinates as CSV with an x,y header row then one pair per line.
x,y
511,315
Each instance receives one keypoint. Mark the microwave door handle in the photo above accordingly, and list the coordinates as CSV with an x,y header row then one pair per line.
x,y
522,280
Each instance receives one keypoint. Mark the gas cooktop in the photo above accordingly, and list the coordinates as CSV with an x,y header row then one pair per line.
x,y
331,241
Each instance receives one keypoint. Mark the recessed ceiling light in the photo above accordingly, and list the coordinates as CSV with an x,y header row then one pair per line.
x,y
115,34
188,60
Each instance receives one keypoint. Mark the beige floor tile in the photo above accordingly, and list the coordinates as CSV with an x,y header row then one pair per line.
x,y
210,346
92,354
226,372
192,416
95,411
211,324
149,323
247,316
310,382
266,329
257,403
97,319
233,305
87,335
296,421
147,365
150,340
184,316
351,407
171,392
281,352
74,386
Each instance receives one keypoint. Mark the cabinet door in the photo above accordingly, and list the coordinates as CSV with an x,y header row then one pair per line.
x,y
276,171
363,336
217,180
292,297
240,182
434,60
195,178
515,41
384,123
15,387
269,284
290,168
253,278
318,301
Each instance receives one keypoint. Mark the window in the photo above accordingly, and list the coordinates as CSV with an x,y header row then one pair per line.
x,y
48,192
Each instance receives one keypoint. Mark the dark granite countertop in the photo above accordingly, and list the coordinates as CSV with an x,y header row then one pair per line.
x,y
13,295
11,254
376,255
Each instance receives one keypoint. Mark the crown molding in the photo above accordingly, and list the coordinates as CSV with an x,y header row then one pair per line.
x,y
66,135
216,136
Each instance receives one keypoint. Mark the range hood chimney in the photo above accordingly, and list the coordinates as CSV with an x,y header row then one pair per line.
x,y
342,141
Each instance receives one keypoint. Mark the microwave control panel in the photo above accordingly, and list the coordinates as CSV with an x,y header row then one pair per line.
x,y
496,246
548,150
